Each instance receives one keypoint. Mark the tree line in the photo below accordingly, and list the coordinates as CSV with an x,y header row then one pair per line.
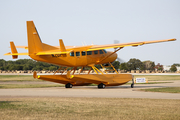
x,y
136,64
26,64
132,64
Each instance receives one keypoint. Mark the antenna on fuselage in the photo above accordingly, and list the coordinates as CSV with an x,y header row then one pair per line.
x,y
85,43
82,43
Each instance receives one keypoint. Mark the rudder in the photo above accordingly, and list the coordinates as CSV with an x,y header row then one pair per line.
x,y
34,42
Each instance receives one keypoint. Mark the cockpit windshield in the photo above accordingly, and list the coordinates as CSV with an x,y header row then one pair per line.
x,y
104,51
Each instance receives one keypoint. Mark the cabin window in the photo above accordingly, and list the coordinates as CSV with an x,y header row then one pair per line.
x,y
77,53
101,52
89,52
104,51
83,53
72,54
96,52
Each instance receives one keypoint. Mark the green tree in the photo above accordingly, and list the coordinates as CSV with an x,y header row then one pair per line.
x,y
173,68
123,66
52,68
45,68
116,64
37,68
98,66
27,67
159,67
135,64
2,68
148,65
2,63
176,64
15,67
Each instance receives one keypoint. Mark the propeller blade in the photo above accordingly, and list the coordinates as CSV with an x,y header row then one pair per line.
x,y
120,60
116,42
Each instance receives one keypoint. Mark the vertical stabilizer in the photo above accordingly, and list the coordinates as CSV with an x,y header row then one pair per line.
x,y
62,47
13,50
34,42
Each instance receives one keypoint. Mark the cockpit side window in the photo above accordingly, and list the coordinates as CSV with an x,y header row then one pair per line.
x,y
89,52
72,54
101,52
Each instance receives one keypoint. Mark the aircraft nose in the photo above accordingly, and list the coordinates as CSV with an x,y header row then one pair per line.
x,y
113,56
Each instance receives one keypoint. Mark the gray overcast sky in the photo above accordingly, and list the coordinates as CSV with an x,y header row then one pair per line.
x,y
98,22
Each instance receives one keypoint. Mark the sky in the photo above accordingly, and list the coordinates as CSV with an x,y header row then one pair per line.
x,y
97,22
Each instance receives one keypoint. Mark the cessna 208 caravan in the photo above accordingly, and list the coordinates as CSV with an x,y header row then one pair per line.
x,y
82,56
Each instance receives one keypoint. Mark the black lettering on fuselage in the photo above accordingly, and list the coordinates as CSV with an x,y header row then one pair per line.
x,y
56,55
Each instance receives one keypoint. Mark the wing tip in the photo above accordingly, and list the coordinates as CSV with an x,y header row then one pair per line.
x,y
174,39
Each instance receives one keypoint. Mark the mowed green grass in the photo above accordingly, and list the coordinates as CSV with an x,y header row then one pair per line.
x,y
25,78
30,77
19,78
10,86
158,77
88,108
164,90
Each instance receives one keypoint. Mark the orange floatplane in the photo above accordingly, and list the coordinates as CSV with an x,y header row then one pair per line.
x,y
71,56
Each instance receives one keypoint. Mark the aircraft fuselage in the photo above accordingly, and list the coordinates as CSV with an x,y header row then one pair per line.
x,y
77,58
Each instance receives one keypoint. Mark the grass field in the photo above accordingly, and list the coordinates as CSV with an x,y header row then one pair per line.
x,y
45,108
158,77
19,78
164,90
27,78
9,86
88,109
30,77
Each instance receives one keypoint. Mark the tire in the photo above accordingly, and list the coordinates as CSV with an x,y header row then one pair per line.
x,y
69,85
132,85
101,86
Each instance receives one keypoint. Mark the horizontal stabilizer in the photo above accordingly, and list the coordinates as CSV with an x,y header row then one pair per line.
x,y
16,54
25,47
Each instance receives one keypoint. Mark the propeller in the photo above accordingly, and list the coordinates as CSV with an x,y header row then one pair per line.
x,y
116,42
118,59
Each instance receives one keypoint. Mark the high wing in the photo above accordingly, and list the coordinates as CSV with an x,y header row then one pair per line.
x,y
68,49
121,45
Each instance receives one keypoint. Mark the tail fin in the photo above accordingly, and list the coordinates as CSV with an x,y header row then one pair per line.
x,y
13,50
62,47
35,44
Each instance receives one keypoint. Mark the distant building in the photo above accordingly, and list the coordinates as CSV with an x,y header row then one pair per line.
x,y
167,67
178,68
